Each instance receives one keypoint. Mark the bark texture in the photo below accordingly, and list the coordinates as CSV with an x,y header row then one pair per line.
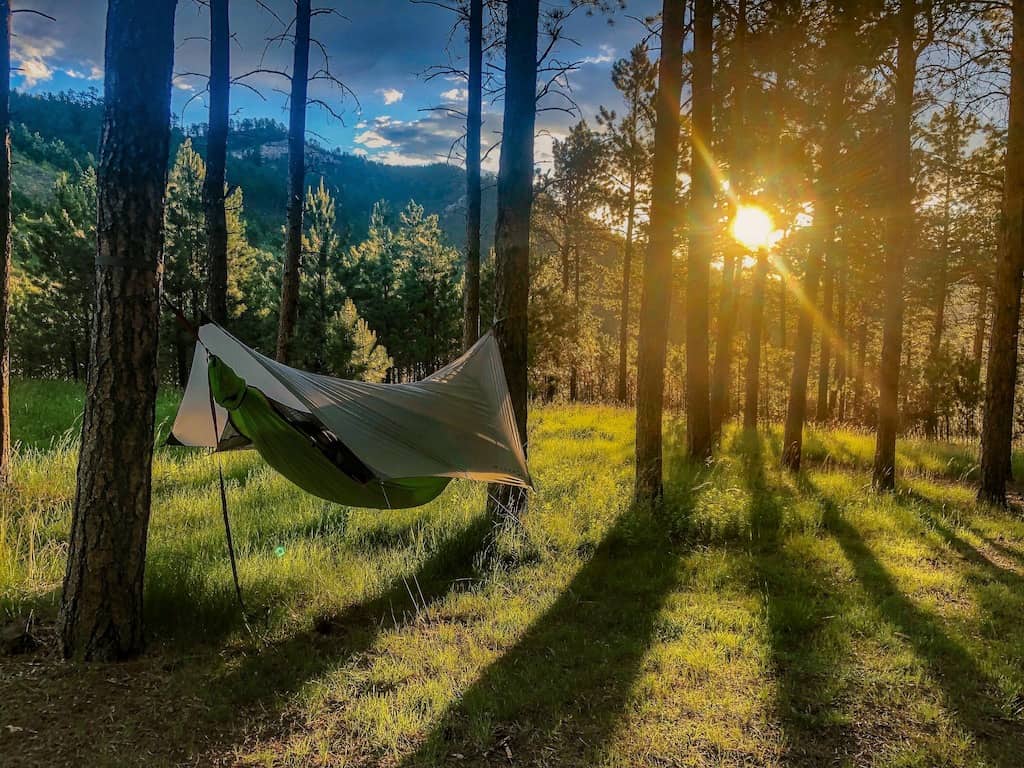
x,y
1001,377
101,606
657,279
5,245
216,163
753,378
625,303
701,237
898,225
289,312
515,203
471,289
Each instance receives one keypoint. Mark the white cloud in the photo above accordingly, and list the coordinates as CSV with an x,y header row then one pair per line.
x,y
183,85
95,73
35,71
372,139
359,152
31,55
391,95
455,94
393,157
607,54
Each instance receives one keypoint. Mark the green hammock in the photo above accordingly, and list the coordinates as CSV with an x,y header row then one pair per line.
x,y
309,455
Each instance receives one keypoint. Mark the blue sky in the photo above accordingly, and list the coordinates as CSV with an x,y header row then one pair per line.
x,y
379,49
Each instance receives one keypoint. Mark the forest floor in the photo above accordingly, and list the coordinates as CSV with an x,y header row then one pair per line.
x,y
756,619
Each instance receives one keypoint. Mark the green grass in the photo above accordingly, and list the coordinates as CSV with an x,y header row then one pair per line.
x,y
755,618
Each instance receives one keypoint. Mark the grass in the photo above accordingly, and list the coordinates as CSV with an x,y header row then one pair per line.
x,y
755,618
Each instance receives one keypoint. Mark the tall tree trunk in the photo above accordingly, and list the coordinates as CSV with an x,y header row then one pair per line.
x,y
796,411
825,351
1001,378
931,418
837,399
701,236
657,275
5,244
721,373
980,321
862,354
289,313
574,373
753,378
621,393
899,221
216,163
823,242
515,203
101,606
471,289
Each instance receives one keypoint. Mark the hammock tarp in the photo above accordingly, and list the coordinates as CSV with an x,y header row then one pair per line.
x,y
368,445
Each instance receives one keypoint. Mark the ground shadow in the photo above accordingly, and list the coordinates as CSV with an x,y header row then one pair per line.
x,y
967,690
806,654
557,695
932,515
196,709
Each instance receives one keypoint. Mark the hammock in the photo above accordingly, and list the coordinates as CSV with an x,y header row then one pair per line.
x,y
383,446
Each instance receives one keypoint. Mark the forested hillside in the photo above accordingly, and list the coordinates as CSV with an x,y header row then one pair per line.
x,y
56,133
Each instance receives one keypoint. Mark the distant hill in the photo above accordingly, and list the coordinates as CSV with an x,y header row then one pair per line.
x,y
55,132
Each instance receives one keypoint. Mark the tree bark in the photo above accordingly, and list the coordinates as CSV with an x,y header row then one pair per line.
x,y
899,221
471,288
753,378
701,236
821,413
289,312
837,398
657,276
621,388
5,245
512,232
216,163
980,321
796,411
1001,377
862,352
101,606
721,374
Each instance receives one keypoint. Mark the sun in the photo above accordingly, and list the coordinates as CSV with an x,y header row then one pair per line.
x,y
752,227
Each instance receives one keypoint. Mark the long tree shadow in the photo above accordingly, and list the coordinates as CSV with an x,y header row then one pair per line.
x,y
557,695
967,690
806,653
931,514
262,680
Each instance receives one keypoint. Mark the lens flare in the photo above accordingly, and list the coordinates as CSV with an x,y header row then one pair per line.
x,y
752,227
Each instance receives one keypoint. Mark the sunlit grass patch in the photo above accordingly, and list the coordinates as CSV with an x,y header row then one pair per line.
x,y
754,617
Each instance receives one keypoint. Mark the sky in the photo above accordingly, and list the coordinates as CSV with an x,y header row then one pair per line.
x,y
380,49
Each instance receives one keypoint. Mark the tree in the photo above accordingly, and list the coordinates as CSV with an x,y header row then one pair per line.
x,y
214,190
898,235
701,236
474,103
289,312
1001,377
629,156
576,188
657,278
754,341
321,242
352,350
515,203
5,243
101,606
184,239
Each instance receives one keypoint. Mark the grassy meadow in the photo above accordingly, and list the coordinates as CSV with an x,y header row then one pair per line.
x,y
754,619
